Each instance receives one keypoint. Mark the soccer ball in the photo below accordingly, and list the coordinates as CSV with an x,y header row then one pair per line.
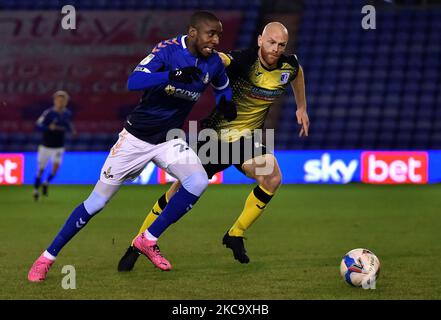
x,y
360,268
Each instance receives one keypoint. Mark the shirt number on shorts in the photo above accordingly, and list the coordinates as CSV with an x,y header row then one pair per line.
x,y
182,146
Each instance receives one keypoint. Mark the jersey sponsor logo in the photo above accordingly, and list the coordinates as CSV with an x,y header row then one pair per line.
x,y
327,170
284,77
147,59
258,92
394,167
11,169
182,93
265,94
170,90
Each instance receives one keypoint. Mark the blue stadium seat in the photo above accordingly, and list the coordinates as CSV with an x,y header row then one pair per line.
x,y
362,86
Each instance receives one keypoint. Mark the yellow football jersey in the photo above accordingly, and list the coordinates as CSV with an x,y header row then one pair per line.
x,y
254,90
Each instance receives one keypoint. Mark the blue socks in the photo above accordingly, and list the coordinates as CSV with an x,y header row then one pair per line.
x,y
37,183
179,204
76,221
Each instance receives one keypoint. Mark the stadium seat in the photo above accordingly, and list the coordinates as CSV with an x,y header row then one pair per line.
x,y
360,85
376,77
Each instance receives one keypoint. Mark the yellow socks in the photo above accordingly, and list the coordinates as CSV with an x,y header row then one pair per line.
x,y
254,205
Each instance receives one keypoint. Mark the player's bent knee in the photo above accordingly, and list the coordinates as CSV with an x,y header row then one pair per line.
x,y
276,181
95,203
271,182
196,183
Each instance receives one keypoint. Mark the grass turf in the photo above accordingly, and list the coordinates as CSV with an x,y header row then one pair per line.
x,y
295,247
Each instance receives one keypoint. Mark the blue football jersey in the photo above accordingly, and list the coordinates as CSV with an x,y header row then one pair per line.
x,y
54,138
166,106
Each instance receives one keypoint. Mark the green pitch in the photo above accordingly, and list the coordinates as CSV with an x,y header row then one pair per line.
x,y
295,247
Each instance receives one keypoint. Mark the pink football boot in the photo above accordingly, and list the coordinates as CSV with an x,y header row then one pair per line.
x,y
39,269
151,250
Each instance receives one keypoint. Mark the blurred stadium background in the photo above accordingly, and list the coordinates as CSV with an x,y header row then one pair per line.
x,y
366,89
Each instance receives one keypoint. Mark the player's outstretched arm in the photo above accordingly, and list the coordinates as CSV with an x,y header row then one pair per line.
x,y
298,86
142,78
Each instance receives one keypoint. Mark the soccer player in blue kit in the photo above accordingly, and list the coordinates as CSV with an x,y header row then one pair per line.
x,y
54,123
172,77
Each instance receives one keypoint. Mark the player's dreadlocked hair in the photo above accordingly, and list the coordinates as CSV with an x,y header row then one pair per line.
x,y
202,16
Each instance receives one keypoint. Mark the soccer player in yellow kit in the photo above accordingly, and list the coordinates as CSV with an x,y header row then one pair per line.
x,y
258,76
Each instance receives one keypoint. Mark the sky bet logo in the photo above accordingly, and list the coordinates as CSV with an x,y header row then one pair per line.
x,y
326,171
394,167
11,169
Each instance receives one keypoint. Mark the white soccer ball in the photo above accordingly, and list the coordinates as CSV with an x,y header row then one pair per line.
x,y
360,268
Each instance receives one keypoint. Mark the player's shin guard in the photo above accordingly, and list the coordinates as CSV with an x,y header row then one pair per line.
x,y
178,205
79,217
254,206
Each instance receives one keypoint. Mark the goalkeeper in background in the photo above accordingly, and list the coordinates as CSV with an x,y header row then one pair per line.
x,y
258,76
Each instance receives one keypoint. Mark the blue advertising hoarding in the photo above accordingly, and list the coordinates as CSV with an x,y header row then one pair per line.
x,y
319,166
